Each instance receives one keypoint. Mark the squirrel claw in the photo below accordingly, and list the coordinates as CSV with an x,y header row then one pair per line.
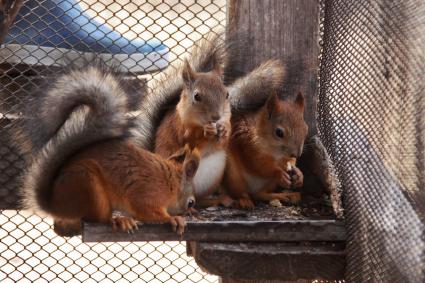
x,y
210,130
192,212
178,224
285,180
244,204
297,177
221,131
123,223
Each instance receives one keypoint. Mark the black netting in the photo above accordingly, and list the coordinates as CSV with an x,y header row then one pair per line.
x,y
142,37
371,119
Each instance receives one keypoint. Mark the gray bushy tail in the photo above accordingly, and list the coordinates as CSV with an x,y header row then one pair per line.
x,y
252,90
80,108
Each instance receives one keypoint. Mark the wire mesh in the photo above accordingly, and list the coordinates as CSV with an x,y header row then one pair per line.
x,y
142,37
371,119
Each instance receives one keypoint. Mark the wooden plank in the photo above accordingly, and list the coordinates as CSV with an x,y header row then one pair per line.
x,y
288,30
262,262
224,231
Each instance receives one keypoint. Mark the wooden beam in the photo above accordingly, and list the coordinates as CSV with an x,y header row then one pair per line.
x,y
263,262
224,231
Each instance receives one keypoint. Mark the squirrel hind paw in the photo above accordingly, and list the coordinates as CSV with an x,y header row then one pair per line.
x,y
178,223
124,223
68,227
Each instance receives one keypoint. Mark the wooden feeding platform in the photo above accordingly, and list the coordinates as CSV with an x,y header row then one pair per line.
x,y
262,224
267,243
306,241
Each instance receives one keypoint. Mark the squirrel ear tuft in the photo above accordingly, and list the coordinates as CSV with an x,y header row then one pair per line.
x,y
181,154
216,68
178,156
188,74
299,101
271,104
191,163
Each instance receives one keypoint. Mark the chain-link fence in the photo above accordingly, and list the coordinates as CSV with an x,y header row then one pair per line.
x,y
371,119
142,37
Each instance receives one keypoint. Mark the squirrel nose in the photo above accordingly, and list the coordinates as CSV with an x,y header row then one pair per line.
x,y
215,118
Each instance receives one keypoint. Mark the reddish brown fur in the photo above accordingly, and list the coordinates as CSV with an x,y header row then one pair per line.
x,y
203,124
116,175
255,150
185,123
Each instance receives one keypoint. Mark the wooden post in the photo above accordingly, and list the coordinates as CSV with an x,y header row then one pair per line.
x,y
281,29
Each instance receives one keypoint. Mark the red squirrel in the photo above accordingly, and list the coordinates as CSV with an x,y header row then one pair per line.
x,y
260,147
201,119
84,166
119,176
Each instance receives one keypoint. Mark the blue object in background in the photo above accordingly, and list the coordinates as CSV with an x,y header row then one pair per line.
x,y
44,30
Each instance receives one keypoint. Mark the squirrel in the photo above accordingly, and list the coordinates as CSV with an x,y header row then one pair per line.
x,y
190,104
262,146
84,165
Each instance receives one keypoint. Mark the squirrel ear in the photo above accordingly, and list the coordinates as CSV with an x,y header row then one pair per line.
x,y
191,163
188,74
271,104
180,155
299,101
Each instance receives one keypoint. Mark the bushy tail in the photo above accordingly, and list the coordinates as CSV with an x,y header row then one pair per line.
x,y
165,92
81,108
252,90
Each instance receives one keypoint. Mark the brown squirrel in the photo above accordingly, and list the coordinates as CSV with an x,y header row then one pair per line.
x,y
118,176
84,166
201,119
260,147
190,104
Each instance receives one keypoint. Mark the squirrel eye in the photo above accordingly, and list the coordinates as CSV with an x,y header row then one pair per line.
x,y
197,96
279,133
191,203
227,95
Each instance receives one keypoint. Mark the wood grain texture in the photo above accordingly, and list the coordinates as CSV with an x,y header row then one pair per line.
x,y
287,30
225,231
265,262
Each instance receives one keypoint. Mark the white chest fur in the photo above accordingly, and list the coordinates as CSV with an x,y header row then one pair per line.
x,y
210,172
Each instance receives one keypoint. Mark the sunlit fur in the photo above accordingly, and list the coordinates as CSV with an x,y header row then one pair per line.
x,y
80,108
257,158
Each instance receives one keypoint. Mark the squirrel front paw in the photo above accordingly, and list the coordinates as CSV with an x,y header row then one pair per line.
x,y
178,223
222,131
210,130
284,180
297,177
123,222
